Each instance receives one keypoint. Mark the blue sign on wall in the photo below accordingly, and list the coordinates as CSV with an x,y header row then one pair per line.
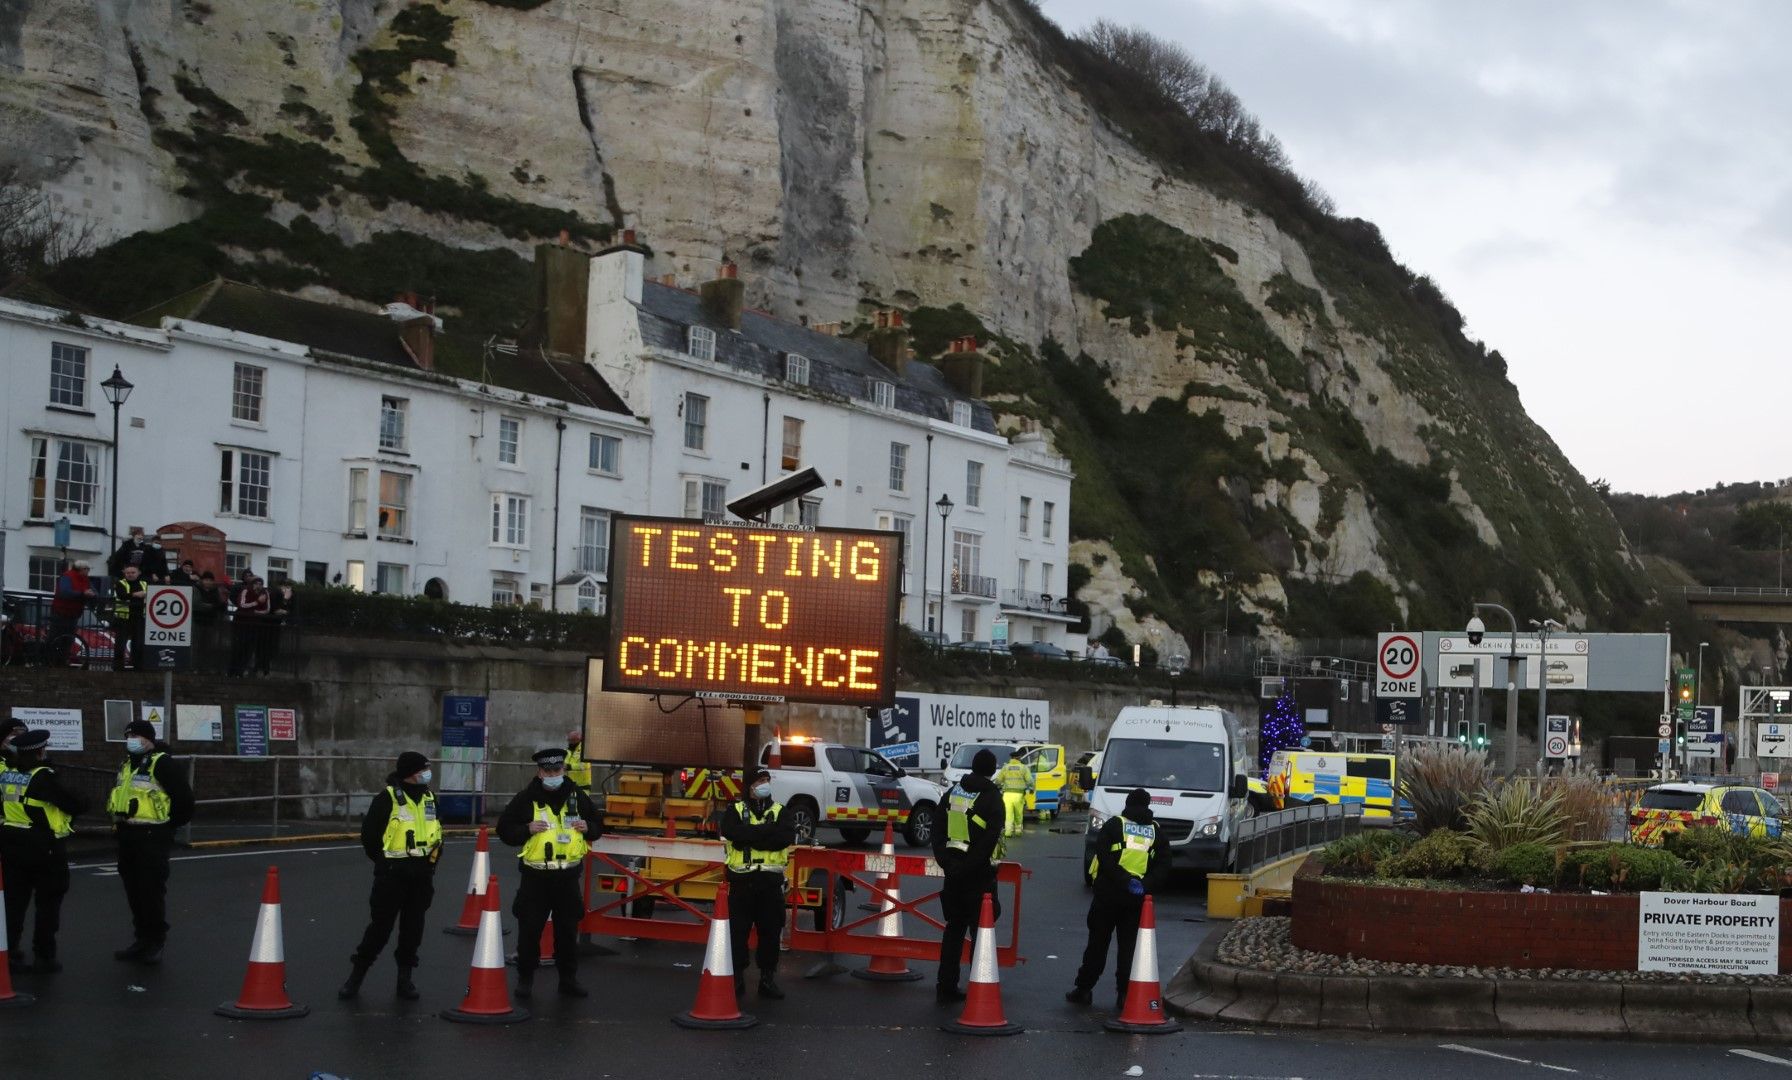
x,y
463,721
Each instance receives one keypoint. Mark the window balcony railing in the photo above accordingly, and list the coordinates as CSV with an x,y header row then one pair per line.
x,y
1021,600
983,588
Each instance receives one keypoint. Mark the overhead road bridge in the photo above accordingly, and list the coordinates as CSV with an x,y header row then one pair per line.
x,y
1730,604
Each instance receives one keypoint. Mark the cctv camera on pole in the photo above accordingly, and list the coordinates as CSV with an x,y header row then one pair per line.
x,y
757,504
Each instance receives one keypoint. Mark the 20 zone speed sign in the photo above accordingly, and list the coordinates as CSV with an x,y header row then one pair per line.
x,y
1397,666
170,617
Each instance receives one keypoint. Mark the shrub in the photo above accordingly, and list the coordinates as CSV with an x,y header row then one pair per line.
x,y
1363,853
1608,867
1701,843
1589,805
1525,863
1516,812
1440,782
1443,853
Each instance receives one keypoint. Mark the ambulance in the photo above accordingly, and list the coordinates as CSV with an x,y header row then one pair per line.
x,y
1194,760
1366,779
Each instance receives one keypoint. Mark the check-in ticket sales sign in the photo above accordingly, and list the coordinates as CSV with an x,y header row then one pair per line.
x,y
753,612
1705,932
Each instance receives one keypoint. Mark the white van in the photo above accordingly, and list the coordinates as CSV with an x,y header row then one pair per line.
x,y
1194,760
956,766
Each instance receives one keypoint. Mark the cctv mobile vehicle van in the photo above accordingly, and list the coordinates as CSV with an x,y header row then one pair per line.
x,y
1194,760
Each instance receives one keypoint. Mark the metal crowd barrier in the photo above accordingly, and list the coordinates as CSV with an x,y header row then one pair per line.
x,y
1268,837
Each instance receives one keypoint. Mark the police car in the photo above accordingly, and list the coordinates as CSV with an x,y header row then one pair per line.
x,y
852,789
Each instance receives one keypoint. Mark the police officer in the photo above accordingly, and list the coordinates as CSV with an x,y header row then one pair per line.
x,y
149,802
967,851
128,595
759,843
578,770
1016,780
552,821
403,838
1132,857
38,818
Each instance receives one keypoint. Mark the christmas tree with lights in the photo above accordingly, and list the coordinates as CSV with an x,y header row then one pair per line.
x,y
1281,729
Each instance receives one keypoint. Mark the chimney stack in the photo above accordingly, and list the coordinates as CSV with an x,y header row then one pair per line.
x,y
889,341
963,367
562,291
416,326
724,297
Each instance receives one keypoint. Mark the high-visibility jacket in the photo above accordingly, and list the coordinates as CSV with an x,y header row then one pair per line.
x,y
1137,839
14,804
559,846
742,859
959,818
138,795
578,770
122,592
413,831
1015,776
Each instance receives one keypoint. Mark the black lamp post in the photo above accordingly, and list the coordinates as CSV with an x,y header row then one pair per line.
x,y
118,391
945,508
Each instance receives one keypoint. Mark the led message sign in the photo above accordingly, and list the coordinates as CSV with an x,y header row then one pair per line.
x,y
753,612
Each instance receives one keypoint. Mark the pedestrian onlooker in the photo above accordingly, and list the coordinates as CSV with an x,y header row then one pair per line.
x,y
252,605
137,551
185,574
150,800
36,819
553,821
403,837
281,603
210,605
129,593
74,593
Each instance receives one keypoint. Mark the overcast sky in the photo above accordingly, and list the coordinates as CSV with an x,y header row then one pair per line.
x,y
1603,187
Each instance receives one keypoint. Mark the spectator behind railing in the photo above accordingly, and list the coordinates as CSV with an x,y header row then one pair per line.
x,y
74,592
281,604
129,593
151,564
252,606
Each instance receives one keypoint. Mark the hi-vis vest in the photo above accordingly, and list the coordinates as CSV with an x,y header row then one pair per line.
x,y
1136,840
121,593
412,832
559,846
138,795
578,770
742,859
13,804
959,819
1016,777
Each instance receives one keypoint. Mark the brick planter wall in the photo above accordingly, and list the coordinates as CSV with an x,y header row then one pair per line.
x,y
1516,930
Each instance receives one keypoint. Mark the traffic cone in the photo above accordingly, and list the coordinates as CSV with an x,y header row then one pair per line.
x,y
263,996
983,1002
475,901
546,948
488,985
1143,1011
9,998
889,968
716,1006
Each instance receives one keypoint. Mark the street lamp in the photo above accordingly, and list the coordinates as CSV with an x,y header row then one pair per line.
x,y
118,391
944,506
1543,628
1698,683
1476,629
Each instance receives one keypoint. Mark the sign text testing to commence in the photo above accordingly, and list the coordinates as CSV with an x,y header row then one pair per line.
x,y
753,612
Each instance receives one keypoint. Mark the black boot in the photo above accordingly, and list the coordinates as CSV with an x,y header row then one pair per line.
x,y
352,986
1079,996
569,987
769,989
946,995
151,954
525,983
740,983
131,952
406,990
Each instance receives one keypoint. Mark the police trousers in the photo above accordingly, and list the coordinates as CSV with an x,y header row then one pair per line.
x,y
35,869
539,894
961,903
756,902
1116,917
401,896
143,870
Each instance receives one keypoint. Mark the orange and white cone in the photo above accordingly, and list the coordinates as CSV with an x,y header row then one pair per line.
x,y
1143,1011
9,998
475,902
889,968
983,1000
263,996
488,984
716,1006
544,950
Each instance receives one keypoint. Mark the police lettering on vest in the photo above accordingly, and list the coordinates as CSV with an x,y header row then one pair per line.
x,y
14,806
559,846
742,859
1135,847
138,796
412,832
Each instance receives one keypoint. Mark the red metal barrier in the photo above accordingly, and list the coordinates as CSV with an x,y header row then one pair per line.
x,y
866,870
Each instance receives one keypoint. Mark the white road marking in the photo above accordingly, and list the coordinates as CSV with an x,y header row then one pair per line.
x,y
1759,1056
112,867
1503,1057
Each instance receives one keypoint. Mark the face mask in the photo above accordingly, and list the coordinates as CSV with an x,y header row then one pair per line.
x,y
552,782
136,744
763,791
426,776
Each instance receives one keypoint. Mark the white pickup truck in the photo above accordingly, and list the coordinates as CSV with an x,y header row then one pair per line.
x,y
850,788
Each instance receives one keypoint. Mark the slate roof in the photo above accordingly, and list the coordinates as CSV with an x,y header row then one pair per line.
x,y
333,331
838,366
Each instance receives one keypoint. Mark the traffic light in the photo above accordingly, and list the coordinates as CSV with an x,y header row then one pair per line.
x,y
1462,732
1685,682
1481,736
1779,702
1679,734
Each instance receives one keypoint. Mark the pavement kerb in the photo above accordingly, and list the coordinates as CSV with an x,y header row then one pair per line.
x,y
1205,988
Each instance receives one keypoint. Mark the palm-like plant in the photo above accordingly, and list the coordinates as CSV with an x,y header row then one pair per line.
x,y
1517,812
1439,783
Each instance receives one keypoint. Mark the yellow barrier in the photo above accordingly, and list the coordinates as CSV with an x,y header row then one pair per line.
x,y
1230,896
